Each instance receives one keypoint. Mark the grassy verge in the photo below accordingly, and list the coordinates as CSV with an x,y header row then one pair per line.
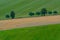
x,y
48,32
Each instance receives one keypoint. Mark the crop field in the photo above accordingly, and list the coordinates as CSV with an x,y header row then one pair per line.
x,y
23,7
29,28
47,32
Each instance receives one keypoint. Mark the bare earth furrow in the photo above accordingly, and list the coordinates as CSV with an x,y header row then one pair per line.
x,y
27,22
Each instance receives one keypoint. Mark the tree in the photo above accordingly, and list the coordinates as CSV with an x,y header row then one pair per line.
x,y
49,12
7,16
55,12
43,11
12,14
31,14
38,13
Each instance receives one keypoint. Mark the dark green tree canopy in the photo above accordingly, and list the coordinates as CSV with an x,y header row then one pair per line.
x,y
44,11
12,14
38,13
49,12
31,14
7,16
55,12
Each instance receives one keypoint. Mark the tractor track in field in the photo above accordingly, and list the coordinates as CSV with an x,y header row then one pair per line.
x,y
28,22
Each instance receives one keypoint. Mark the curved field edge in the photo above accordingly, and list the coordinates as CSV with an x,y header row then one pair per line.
x,y
47,32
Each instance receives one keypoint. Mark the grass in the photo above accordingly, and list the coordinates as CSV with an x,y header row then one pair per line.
x,y
48,32
23,7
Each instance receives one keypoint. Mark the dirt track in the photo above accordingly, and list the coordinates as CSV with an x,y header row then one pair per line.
x,y
26,22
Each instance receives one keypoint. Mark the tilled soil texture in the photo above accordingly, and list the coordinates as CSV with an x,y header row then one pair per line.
x,y
28,22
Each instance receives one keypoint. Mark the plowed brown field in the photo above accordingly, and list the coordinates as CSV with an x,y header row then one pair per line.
x,y
27,22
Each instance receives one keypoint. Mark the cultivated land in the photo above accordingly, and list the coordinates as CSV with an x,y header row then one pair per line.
x,y
48,32
26,22
29,28
23,7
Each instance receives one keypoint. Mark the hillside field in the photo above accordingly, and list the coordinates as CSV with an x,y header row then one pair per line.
x,y
23,7
29,28
47,32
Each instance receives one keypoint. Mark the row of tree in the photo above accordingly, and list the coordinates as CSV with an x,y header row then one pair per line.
x,y
43,12
12,15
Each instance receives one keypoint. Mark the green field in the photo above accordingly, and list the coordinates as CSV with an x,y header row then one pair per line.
x,y
23,7
47,32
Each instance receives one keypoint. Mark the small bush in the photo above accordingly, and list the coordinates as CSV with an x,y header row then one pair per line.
x,y
7,16
31,14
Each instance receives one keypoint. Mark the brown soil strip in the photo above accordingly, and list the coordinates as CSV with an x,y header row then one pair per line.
x,y
27,22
